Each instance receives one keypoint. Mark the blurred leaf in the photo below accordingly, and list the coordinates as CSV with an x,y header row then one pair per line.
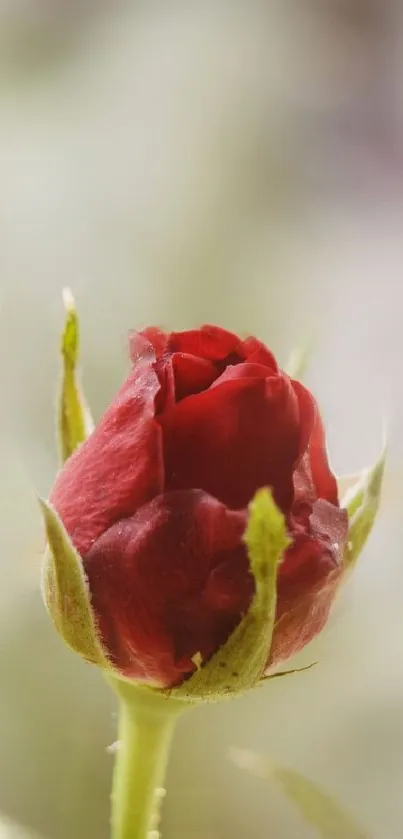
x,y
361,502
239,663
345,484
318,808
11,830
74,420
298,361
66,592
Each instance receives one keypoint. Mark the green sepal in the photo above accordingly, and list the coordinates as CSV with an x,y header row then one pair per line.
x,y
280,673
318,808
66,593
239,664
74,420
361,501
345,485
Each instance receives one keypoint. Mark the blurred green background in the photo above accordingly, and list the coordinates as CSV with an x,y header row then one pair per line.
x,y
176,163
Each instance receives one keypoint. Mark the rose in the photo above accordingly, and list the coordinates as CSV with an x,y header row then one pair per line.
x,y
155,502
195,539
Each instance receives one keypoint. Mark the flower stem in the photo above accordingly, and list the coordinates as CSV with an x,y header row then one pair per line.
x,y
146,726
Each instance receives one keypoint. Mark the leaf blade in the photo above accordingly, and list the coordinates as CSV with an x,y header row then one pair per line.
x,y
317,807
298,360
362,503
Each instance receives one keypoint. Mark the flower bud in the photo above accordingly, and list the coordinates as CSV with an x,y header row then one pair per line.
x,y
196,538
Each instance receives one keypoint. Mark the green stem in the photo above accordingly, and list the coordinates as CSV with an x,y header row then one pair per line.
x,y
146,725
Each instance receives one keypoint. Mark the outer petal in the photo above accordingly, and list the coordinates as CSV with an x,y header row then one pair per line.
x,y
118,468
323,478
234,438
308,581
152,337
154,584
307,415
314,478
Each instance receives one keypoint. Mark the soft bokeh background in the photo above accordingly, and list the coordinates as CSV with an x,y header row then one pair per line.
x,y
174,163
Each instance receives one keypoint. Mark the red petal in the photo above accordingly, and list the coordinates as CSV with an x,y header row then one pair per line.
x,y
119,467
152,337
181,375
234,438
150,583
165,397
243,370
210,342
254,351
307,414
205,621
330,524
191,374
313,478
322,476
308,580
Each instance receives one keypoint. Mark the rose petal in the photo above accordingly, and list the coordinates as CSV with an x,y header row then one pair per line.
x,y
152,336
307,581
313,477
296,626
118,468
210,342
149,578
165,398
234,438
230,586
205,621
253,350
191,374
330,523
243,370
181,375
322,476
307,414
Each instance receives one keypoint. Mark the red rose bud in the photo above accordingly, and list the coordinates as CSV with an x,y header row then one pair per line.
x,y
160,566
